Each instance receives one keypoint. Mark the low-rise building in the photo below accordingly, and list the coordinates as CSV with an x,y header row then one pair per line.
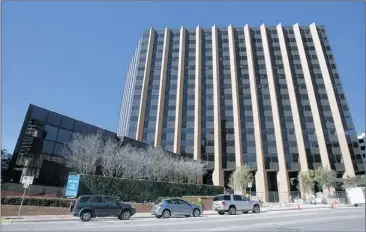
x,y
39,149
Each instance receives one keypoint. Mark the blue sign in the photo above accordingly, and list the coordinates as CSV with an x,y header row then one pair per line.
x,y
72,186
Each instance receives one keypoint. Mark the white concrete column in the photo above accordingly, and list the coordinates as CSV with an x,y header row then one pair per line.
x,y
349,170
312,99
197,98
261,174
235,97
293,100
161,101
180,84
282,174
145,87
218,175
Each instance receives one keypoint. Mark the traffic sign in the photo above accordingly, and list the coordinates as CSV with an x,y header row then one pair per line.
x,y
249,184
27,180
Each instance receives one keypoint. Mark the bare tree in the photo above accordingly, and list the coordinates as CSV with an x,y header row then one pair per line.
x,y
83,152
111,161
326,178
240,178
306,182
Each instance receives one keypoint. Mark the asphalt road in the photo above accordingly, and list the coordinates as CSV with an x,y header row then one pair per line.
x,y
339,219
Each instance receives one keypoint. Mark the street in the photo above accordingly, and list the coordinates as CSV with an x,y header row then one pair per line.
x,y
339,219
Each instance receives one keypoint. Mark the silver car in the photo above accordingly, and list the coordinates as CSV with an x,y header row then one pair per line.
x,y
175,207
232,203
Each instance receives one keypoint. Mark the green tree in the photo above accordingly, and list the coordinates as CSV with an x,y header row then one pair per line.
x,y
240,178
353,182
326,178
306,182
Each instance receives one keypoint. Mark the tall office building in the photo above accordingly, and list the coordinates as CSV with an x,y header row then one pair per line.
x,y
267,96
362,145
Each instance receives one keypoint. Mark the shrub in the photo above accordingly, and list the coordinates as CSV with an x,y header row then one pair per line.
x,y
37,201
142,190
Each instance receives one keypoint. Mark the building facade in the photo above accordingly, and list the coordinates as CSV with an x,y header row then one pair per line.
x,y
39,149
362,145
267,96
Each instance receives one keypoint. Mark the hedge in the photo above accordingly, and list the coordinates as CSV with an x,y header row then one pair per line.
x,y
37,201
130,190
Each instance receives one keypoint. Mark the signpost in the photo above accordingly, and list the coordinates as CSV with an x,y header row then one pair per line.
x,y
250,187
26,181
72,186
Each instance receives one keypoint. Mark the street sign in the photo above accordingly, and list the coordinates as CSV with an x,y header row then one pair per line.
x,y
249,184
27,180
72,186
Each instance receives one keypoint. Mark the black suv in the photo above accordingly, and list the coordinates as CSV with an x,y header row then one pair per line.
x,y
91,206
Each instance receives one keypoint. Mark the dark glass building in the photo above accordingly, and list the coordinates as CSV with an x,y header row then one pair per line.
x,y
38,151
267,96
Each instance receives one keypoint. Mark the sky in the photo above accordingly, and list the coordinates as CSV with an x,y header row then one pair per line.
x,y
72,57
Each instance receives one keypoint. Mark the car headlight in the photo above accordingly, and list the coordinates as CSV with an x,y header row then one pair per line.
x,y
132,206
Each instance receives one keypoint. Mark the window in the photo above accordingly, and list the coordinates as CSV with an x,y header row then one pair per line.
x,y
181,202
98,200
79,127
244,198
362,148
67,123
54,119
59,149
48,147
84,199
170,202
237,198
63,136
227,198
222,198
109,200
51,133
39,114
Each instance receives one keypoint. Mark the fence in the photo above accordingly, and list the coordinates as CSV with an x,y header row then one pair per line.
x,y
12,189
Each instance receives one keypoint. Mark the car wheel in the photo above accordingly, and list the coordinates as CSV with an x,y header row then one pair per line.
x,y
125,215
196,213
166,214
158,216
221,212
256,209
245,212
86,215
232,210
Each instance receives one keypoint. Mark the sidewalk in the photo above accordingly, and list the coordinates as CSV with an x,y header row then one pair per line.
x,y
50,218
294,206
